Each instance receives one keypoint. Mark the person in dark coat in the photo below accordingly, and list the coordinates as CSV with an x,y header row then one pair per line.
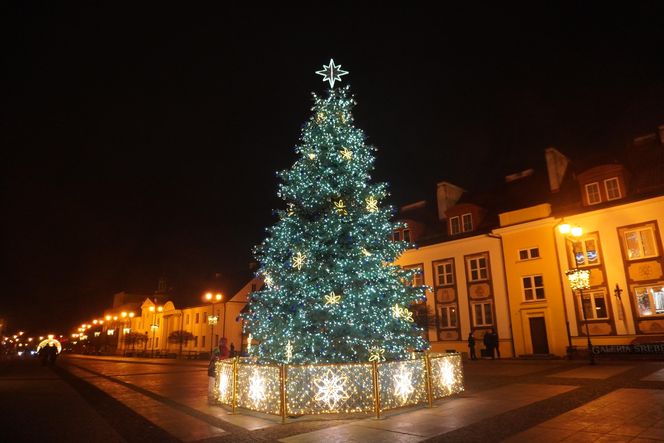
x,y
471,346
488,342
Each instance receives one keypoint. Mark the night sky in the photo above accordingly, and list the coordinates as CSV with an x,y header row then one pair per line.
x,y
138,143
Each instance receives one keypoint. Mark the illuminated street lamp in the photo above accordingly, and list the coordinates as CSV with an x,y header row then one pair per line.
x,y
154,326
212,319
579,279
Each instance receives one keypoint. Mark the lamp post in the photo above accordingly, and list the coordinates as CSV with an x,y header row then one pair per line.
x,y
579,279
212,319
126,328
154,326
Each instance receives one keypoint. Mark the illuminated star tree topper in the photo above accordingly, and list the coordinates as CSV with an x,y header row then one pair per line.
x,y
331,73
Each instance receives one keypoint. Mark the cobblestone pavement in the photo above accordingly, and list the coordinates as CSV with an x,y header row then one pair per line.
x,y
504,400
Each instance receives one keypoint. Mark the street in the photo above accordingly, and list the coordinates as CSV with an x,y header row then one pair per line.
x,y
112,399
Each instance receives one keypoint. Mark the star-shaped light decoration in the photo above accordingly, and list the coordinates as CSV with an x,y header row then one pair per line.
x,y
331,73
290,209
346,153
249,340
372,203
299,260
366,252
268,280
332,299
331,389
376,354
403,384
340,207
404,313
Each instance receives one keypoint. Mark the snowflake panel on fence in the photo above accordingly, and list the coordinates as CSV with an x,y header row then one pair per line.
x,y
259,388
446,374
335,388
402,383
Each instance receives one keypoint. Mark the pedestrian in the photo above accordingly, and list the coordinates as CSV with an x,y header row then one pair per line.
x,y
488,343
43,355
496,344
52,354
218,353
232,350
471,346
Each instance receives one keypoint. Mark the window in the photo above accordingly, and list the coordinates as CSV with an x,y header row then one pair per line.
x,y
253,287
455,226
640,243
197,318
482,314
533,287
448,316
612,188
592,193
444,273
205,317
396,236
650,300
528,253
406,235
594,306
585,251
156,342
418,276
478,268
195,341
467,220
202,341
186,319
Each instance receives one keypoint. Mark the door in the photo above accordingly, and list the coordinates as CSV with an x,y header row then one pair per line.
x,y
538,335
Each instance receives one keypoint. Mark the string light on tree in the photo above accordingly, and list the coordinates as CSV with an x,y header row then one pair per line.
x,y
289,351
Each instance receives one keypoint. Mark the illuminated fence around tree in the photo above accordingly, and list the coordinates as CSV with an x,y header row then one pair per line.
x,y
374,387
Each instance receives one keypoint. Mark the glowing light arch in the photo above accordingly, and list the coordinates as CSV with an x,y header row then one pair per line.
x,y
49,341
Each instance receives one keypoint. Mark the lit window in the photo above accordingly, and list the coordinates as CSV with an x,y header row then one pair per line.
x,y
585,251
478,268
482,314
448,316
592,193
612,188
444,273
467,220
594,306
528,253
640,243
455,226
650,300
533,287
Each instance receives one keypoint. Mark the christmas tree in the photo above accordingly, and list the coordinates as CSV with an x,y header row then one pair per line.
x,y
331,293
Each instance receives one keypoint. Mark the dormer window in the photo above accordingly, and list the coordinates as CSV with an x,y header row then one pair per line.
x,y
612,188
461,224
592,193
401,234
467,222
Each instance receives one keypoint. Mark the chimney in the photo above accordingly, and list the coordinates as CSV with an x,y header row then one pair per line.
x,y
556,165
447,195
